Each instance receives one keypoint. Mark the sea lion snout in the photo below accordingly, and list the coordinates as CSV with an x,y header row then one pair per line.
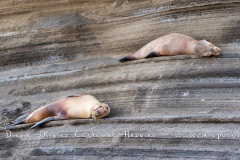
x,y
206,48
101,111
217,50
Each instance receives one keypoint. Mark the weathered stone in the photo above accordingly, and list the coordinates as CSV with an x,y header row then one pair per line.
x,y
179,107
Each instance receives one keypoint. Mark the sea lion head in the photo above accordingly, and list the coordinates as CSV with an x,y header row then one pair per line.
x,y
205,48
100,110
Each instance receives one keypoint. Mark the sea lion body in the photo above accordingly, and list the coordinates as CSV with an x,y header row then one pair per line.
x,y
174,44
72,107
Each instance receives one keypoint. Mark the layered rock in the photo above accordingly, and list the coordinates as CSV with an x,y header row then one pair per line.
x,y
179,107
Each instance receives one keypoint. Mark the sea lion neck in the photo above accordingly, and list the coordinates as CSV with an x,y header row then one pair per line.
x,y
191,47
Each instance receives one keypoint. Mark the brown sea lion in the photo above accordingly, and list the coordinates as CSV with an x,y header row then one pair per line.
x,y
71,107
174,44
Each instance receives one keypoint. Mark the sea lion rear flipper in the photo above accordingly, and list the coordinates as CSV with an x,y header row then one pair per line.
x,y
19,120
43,121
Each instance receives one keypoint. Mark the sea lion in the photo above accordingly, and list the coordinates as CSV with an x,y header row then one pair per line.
x,y
174,44
71,107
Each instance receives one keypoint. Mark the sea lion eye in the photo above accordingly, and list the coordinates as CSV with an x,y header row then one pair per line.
x,y
97,108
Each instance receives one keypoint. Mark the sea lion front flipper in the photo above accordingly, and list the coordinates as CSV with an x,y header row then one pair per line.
x,y
127,58
75,95
43,121
153,54
124,59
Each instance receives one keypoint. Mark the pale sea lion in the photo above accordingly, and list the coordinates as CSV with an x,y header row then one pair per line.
x,y
71,107
174,44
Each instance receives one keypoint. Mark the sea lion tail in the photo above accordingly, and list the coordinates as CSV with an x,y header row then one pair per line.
x,y
42,122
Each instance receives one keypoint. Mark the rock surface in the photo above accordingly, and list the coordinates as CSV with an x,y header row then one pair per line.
x,y
179,107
